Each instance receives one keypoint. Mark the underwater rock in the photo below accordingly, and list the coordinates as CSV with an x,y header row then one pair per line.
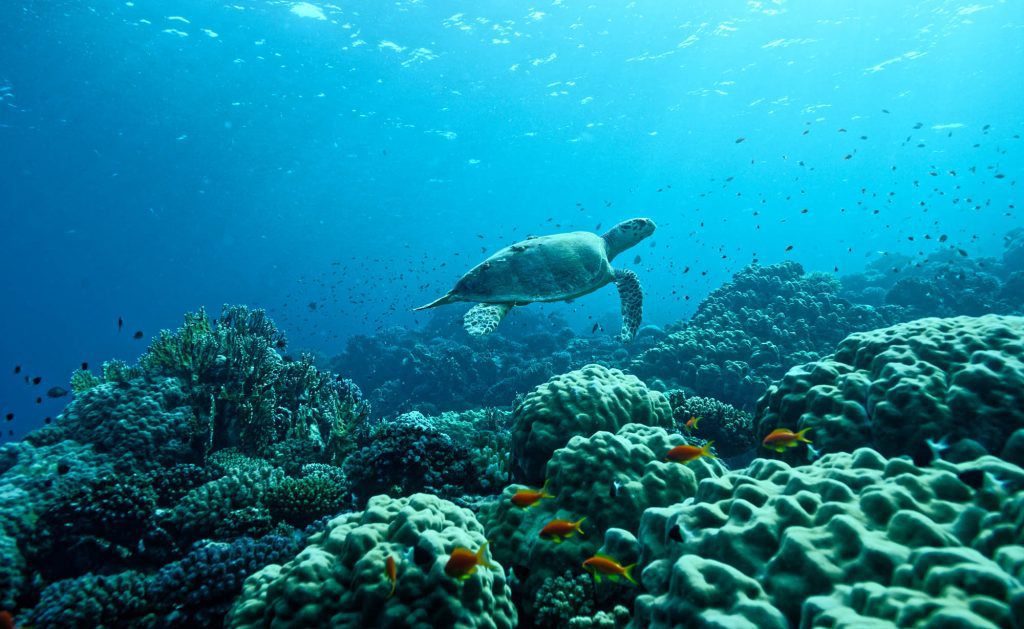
x,y
580,402
896,389
340,578
848,521
748,332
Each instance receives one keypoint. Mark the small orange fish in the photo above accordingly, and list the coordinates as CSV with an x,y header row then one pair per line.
x,y
557,530
463,562
687,453
6,620
691,424
602,565
526,498
391,570
782,438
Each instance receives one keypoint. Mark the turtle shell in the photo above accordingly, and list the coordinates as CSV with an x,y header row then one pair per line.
x,y
546,268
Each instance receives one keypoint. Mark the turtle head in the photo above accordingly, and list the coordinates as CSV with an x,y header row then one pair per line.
x,y
626,234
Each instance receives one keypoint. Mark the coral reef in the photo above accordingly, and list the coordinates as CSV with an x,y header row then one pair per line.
x,y
116,600
580,402
853,535
897,388
731,429
340,578
746,333
441,368
413,453
607,478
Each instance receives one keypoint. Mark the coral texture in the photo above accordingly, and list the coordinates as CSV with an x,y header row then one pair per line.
x,y
580,402
896,388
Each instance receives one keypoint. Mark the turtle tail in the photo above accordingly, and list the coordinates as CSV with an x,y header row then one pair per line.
x,y
447,299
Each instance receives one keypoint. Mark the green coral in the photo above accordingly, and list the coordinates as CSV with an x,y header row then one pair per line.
x,y
894,389
731,429
82,380
580,402
339,579
839,528
608,478
299,501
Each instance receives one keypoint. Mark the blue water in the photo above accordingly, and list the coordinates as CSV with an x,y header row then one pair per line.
x,y
156,157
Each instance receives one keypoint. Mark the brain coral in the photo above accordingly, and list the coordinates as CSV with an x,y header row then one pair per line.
x,y
339,580
749,331
851,534
580,402
894,388
607,478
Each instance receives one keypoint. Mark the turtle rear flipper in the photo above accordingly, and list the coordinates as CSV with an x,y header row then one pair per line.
x,y
484,318
632,298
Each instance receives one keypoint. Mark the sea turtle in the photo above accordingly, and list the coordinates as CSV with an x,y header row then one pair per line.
x,y
559,267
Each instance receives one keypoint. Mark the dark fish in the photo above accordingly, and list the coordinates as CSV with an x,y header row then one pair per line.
x,y
597,227
739,140
594,329
120,324
961,252
943,238
972,478
636,260
85,366
56,392
280,344
47,420
789,248
39,400
17,369
10,416
37,380
138,335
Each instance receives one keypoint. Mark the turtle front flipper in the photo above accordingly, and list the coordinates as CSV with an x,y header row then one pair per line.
x,y
484,318
632,298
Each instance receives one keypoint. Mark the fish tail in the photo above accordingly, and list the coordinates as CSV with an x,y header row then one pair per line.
x,y
576,525
706,450
697,421
480,557
544,490
392,592
800,435
628,573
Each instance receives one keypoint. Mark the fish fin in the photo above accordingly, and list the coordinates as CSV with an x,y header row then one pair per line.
x,y
392,592
779,449
628,573
706,450
777,431
597,576
481,560
556,539
800,435
544,490
614,578
577,525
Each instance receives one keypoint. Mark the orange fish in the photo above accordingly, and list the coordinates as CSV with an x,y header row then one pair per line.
x,y
782,438
557,530
602,565
687,453
6,620
691,424
463,562
526,498
391,570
